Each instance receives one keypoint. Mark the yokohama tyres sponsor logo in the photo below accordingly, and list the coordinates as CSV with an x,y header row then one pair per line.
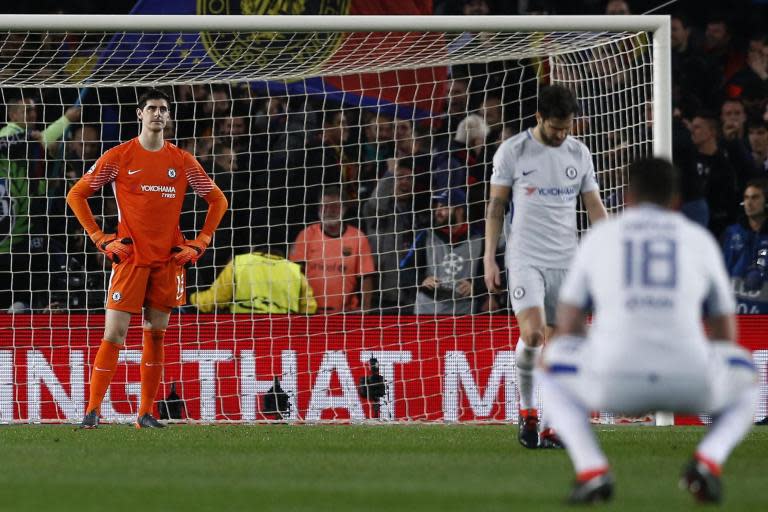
x,y
557,191
168,191
441,370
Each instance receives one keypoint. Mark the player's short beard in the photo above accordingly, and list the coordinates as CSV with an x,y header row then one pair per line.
x,y
449,219
549,141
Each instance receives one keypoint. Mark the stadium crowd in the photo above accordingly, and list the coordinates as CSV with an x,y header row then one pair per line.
x,y
405,191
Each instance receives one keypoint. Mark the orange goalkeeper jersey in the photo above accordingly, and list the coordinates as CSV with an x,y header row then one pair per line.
x,y
149,187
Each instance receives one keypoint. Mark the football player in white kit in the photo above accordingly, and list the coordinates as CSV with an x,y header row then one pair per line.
x,y
545,170
649,275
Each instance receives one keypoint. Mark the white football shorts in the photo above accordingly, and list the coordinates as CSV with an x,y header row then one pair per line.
x,y
719,381
531,286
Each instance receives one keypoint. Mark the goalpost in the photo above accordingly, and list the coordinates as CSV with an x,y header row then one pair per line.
x,y
276,108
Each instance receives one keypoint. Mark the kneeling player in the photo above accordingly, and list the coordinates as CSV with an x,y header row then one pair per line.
x,y
150,177
649,274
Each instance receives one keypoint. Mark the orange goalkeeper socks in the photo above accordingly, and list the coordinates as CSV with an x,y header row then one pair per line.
x,y
103,370
151,369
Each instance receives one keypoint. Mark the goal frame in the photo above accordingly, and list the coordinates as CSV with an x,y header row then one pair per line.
x,y
659,26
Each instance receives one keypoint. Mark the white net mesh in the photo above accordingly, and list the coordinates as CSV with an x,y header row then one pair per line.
x,y
275,119
64,59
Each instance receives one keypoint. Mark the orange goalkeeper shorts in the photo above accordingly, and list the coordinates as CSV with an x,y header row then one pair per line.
x,y
161,286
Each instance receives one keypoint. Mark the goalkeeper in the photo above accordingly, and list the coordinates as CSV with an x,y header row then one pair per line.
x,y
150,177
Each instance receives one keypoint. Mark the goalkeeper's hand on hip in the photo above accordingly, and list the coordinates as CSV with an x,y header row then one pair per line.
x,y
115,249
191,250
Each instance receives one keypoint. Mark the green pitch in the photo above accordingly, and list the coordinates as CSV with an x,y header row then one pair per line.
x,y
345,468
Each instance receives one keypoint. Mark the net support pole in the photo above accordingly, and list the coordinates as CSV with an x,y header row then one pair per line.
x,y
662,122
662,91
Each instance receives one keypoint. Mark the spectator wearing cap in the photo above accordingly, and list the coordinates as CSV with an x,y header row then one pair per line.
x,y
448,259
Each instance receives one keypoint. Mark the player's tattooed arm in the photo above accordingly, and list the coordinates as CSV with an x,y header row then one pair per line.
x,y
496,209
494,221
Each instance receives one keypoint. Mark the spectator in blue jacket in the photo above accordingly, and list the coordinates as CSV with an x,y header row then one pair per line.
x,y
745,247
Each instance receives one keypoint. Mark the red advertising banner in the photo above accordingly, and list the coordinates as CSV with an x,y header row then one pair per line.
x,y
436,369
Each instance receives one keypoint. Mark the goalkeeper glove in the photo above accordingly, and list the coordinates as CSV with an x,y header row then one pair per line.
x,y
191,250
116,250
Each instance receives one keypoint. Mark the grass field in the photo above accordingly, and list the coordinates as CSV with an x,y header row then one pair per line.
x,y
345,468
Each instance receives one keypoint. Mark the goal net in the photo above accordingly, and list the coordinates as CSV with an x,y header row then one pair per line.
x,y
392,115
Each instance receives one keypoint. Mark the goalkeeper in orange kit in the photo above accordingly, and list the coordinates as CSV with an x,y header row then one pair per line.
x,y
149,177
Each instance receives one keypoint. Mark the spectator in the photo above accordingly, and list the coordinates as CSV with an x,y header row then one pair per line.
x,y
733,117
233,131
692,74
221,105
757,130
287,176
475,8
720,48
335,256
377,148
448,259
193,111
751,82
85,145
22,118
169,132
745,247
617,8
451,168
392,218
469,150
261,281
708,180
234,230
333,165
735,142
458,103
492,111
23,207
75,269
405,140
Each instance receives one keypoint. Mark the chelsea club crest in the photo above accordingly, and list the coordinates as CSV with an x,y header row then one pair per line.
x,y
171,172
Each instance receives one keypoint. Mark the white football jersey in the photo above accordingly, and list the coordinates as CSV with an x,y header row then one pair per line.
x,y
649,274
545,182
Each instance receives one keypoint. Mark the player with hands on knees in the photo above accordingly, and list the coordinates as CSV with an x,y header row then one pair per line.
x,y
649,276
